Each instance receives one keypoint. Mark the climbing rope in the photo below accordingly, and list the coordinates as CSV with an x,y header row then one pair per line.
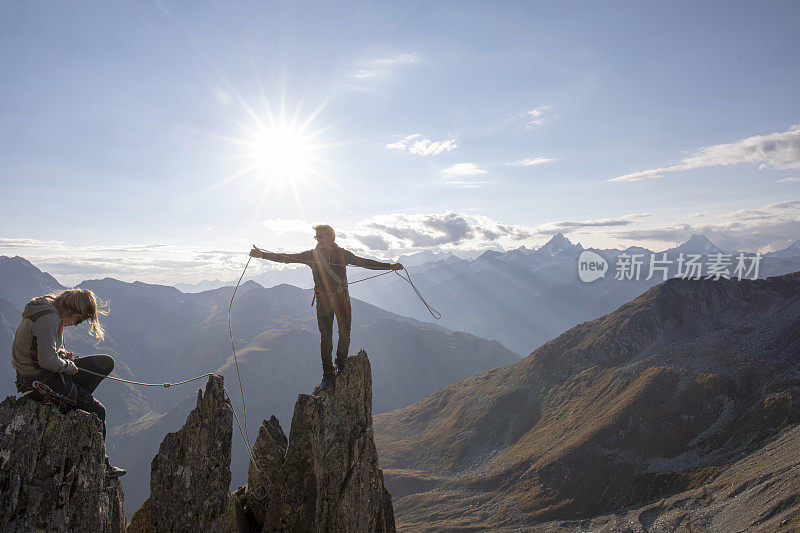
x,y
166,385
233,349
243,431
434,313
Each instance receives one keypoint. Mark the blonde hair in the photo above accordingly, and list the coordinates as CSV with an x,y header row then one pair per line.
x,y
324,228
83,303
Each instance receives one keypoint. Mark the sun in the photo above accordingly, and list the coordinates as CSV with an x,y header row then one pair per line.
x,y
283,152
277,152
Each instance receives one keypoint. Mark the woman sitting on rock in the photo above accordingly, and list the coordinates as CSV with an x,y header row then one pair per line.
x,y
38,352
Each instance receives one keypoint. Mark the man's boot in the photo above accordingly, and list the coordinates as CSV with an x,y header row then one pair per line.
x,y
114,471
340,362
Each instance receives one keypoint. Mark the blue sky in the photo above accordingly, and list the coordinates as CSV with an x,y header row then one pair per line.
x,y
442,125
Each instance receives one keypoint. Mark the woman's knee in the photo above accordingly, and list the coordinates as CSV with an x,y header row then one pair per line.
x,y
98,362
106,362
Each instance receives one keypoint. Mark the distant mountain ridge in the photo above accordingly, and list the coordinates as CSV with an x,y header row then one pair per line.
x,y
653,399
19,279
525,297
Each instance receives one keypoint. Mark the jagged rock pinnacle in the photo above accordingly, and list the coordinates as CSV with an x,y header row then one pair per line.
x,y
53,472
327,478
189,477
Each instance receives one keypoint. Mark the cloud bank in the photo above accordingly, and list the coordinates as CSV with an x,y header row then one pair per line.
x,y
777,150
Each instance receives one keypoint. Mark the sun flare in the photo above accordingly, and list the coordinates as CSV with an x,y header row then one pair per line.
x,y
283,152
276,152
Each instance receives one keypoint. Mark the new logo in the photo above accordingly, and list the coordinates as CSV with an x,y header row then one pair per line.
x,y
591,266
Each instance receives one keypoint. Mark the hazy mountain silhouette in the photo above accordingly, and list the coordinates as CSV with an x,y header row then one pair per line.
x,y
20,281
525,297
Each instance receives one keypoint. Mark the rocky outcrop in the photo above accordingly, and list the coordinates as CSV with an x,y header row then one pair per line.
x,y
52,471
327,477
189,477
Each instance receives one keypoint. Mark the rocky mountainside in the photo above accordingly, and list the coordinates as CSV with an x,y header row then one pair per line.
x,y
53,472
657,398
325,477
758,493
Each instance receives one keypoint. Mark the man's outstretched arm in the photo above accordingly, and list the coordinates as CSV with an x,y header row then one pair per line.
x,y
352,259
302,257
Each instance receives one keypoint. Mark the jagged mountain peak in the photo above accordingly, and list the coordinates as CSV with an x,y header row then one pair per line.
x,y
557,245
697,244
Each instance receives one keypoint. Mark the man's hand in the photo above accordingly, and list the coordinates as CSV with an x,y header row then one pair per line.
x,y
69,356
72,371
255,252
396,266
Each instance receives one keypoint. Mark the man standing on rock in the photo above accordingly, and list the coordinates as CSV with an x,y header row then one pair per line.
x,y
328,264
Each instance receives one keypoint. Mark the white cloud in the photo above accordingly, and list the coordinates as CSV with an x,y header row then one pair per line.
x,y
401,233
536,116
414,144
463,169
776,150
531,162
402,59
28,243
377,70
571,225
789,180
150,263
767,228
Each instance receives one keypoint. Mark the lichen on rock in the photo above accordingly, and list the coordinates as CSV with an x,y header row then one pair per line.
x,y
53,472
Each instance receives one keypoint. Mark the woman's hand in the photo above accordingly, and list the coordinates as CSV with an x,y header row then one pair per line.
x,y
255,252
396,266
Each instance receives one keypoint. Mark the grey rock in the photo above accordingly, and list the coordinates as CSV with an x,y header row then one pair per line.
x,y
327,479
52,471
190,476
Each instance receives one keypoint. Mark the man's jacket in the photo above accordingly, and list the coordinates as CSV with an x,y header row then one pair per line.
x,y
330,271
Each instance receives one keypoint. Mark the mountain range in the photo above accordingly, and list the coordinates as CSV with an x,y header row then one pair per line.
x,y
524,298
661,396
